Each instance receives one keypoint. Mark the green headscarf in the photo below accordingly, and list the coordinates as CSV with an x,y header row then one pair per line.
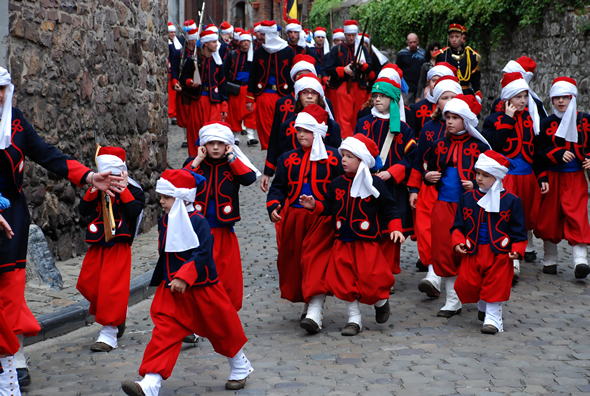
x,y
386,88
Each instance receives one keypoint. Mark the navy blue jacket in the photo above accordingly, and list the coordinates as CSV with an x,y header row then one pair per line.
x,y
339,57
277,65
506,230
498,106
236,62
194,266
431,132
420,114
213,80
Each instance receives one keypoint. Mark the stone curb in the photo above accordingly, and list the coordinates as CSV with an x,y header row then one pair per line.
x,y
76,315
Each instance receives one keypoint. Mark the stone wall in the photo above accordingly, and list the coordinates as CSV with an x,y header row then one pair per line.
x,y
84,66
560,49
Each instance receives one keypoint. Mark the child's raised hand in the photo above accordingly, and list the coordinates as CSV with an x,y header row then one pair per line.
x,y
568,156
514,256
307,201
178,285
413,200
274,216
384,175
201,155
229,149
510,109
467,185
544,188
125,176
397,236
460,248
586,163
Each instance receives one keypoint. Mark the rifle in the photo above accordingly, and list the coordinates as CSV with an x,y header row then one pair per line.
x,y
107,206
183,50
371,36
357,57
197,74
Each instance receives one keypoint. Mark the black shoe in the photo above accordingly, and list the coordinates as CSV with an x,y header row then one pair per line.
x,y
448,314
121,329
310,325
550,269
382,313
100,347
581,271
132,388
530,257
184,145
252,142
425,286
237,142
174,122
235,384
489,329
351,329
481,316
244,132
190,339
24,378
421,267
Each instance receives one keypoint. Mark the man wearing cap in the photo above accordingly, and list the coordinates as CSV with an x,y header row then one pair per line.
x,y
321,44
270,79
296,40
338,37
410,60
237,71
348,78
227,32
207,95
464,58
378,60
174,52
256,40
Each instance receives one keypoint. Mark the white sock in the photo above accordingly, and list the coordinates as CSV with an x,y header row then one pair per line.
x,y
151,384
453,303
240,366
433,278
9,378
380,303
354,313
580,253
494,315
315,309
481,306
516,265
550,256
250,133
108,335
19,358
530,247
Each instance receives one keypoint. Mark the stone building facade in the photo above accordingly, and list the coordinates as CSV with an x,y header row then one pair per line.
x,y
84,66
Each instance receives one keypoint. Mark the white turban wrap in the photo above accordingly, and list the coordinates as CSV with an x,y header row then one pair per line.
x,y
321,33
514,66
362,185
514,88
247,37
272,42
445,86
491,201
382,58
221,133
460,107
209,38
180,235
302,66
6,115
311,83
307,121
295,27
567,127
440,71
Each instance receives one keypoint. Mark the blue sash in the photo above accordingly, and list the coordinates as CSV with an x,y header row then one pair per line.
x,y
483,234
574,166
305,190
244,76
451,187
271,81
522,167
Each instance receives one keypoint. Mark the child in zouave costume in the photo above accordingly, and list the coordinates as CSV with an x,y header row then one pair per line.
x,y
564,145
306,240
451,169
396,143
225,168
189,299
361,208
105,276
513,132
422,194
489,231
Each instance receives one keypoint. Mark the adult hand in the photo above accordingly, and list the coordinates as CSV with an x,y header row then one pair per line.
x,y
413,200
460,248
397,236
178,285
6,227
250,107
432,177
195,84
177,87
274,216
384,175
307,201
105,182
568,156
264,183
348,70
544,188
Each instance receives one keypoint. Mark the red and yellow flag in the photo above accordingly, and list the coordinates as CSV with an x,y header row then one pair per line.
x,y
289,9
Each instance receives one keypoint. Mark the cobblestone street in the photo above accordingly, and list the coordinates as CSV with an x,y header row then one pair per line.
x,y
545,348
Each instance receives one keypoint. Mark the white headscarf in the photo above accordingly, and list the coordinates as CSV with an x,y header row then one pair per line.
x,y
567,127
461,108
247,37
296,27
6,115
445,86
491,201
321,33
221,133
307,121
439,70
302,66
272,42
180,235
312,83
212,37
382,58
362,185
176,43
515,87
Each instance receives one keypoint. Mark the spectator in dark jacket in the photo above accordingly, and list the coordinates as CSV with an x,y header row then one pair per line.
x,y
410,60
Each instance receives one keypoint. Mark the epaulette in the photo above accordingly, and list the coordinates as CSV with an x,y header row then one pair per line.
x,y
440,51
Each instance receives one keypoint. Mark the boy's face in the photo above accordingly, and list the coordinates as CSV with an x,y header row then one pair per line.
x,y
444,98
304,137
484,179
454,123
561,102
215,149
350,162
520,101
166,201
